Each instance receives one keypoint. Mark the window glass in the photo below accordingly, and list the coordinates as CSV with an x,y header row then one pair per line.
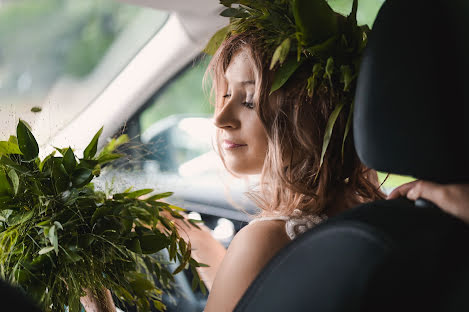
x,y
366,12
176,125
183,95
56,56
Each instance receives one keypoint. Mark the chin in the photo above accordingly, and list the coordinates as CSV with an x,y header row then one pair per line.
x,y
241,169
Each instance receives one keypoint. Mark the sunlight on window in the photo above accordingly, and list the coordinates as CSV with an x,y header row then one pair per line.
x,y
59,55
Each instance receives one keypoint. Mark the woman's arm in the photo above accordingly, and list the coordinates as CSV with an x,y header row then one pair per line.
x,y
452,198
247,254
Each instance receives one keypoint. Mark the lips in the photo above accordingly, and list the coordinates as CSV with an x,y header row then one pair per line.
x,y
227,144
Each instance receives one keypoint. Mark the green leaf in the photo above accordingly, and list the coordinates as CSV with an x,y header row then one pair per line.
x,y
109,157
284,73
140,284
13,139
62,151
172,247
26,141
160,306
195,283
325,48
346,76
228,3
74,304
5,186
114,143
58,225
134,245
176,208
138,193
5,160
54,239
347,129
36,109
96,171
92,148
46,250
280,53
100,212
127,190
230,12
233,12
152,243
315,20
7,148
202,287
216,40
159,196
179,268
353,14
329,69
61,179
43,223
19,217
328,132
15,180
69,161
312,81
41,165
81,177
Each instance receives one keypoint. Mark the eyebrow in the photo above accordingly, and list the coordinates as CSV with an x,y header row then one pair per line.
x,y
246,82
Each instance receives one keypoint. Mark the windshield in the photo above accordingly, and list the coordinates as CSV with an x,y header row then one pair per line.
x,y
57,56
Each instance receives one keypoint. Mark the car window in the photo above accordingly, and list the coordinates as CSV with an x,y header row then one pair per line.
x,y
181,95
57,56
175,126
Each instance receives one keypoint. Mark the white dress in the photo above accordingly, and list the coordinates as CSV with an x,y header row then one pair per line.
x,y
297,223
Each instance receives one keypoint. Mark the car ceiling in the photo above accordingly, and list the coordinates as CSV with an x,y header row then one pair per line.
x,y
197,16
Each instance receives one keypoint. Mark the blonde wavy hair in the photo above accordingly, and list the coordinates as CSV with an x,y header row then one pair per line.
x,y
292,177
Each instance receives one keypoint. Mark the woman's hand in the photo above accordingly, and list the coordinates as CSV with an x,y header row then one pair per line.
x,y
452,198
98,301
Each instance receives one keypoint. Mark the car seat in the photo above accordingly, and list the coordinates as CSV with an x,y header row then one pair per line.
x,y
411,118
14,299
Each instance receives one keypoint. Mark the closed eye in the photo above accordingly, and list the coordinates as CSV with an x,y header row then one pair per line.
x,y
249,105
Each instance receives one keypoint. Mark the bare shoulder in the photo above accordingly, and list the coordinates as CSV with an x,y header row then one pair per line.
x,y
258,234
247,254
256,243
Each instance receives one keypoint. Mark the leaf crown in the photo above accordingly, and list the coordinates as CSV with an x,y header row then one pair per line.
x,y
298,31
308,32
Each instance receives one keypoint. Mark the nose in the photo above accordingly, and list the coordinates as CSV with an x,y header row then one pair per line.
x,y
226,116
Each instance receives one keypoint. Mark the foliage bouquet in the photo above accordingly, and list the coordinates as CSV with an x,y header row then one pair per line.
x,y
60,240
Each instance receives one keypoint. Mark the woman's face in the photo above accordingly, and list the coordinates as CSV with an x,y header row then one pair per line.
x,y
241,133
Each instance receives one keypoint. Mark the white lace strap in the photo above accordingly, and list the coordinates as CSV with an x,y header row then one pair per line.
x,y
298,224
280,218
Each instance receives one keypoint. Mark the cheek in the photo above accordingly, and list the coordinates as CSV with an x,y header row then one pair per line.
x,y
256,133
258,143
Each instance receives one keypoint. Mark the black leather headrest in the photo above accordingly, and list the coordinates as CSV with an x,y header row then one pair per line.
x,y
412,103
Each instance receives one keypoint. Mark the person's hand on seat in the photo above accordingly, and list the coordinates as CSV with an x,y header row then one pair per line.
x,y
452,198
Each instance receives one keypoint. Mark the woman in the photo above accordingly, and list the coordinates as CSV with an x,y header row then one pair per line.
x,y
282,131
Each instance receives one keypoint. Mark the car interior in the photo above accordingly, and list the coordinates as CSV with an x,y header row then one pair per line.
x,y
410,119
